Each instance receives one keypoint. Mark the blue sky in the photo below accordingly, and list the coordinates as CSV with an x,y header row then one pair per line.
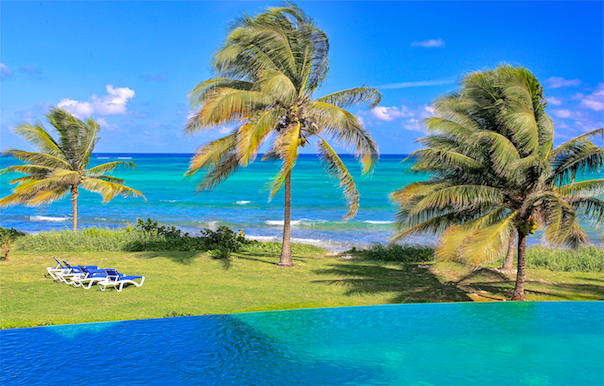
x,y
130,65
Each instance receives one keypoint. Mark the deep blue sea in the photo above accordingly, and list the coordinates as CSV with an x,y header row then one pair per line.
x,y
242,202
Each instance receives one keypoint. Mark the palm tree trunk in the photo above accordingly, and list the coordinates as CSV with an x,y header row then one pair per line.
x,y
519,289
508,263
74,205
286,249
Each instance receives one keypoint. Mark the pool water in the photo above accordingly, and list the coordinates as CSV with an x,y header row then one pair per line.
x,y
512,343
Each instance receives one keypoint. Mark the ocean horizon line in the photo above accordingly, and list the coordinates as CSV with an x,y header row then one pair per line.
x,y
304,155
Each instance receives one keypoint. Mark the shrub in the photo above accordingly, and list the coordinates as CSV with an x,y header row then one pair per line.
x,y
145,236
224,238
408,253
585,259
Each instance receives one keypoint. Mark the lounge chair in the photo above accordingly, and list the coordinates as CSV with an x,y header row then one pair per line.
x,y
74,272
118,280
62,271
89,276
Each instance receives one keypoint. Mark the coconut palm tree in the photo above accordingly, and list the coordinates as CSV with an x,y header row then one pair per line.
x,y
495,173
61,166
269,66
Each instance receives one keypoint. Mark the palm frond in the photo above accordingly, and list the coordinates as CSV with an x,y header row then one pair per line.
x,y
42,159
590,188
198,95
336,169
287,148
252,134
353,97
110,166
225,106
346,129
40,138
109,190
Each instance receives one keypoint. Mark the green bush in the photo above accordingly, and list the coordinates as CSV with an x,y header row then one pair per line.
x,y
12,233
408,253
145,236
585,259
224,238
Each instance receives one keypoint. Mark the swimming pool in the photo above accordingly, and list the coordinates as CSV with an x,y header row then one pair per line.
x,y
512,343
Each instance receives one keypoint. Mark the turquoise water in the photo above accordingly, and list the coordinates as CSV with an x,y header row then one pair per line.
x,y
515,343
241,202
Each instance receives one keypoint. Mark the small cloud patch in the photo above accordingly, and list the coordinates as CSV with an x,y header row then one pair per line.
x,y
5,71
557,82
160,78
431,43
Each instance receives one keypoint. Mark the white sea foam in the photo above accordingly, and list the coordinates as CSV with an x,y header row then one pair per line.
x,y
296,223
242,202
103,157
263,238
47,218
124,157
378,222
168,200
332,246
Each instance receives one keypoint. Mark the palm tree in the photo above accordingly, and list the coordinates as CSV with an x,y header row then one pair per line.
x,y
61,167
495,173
269,67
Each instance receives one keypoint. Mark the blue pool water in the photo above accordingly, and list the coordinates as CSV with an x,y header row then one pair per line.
x,y
515,343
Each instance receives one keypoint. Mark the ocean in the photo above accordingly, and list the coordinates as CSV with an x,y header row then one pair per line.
x,y
241,202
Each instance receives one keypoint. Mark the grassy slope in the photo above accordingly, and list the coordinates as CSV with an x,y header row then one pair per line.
x,y
191,283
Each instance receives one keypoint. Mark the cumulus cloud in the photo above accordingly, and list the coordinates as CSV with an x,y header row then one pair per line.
x,y
112,104
161,77
554,101
429,43
557,82
389,113
594,101
562,113
5,72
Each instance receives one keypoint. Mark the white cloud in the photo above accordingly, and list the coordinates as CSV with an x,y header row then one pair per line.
x,y
5,72
594,101
106,125
389,113
225,130
112,104
429,43
562,113
554,101
420,83
557,82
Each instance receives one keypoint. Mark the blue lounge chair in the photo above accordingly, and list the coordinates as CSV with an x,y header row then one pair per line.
x,y
118,280
74,272
62,271
89,275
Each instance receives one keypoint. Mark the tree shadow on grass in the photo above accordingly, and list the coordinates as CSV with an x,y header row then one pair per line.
x,y
409,284
494,285
269,257
180,257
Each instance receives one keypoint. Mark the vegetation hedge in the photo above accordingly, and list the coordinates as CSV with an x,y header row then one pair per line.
x,y
585,259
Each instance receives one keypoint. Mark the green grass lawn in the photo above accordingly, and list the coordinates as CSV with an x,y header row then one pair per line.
x,y
180,283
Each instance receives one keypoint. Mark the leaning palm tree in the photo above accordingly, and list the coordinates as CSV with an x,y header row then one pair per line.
x,y
60,167
495,173
269,67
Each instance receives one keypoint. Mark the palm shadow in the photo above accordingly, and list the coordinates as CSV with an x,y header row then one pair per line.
x,y
407,283
485,280
180,257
